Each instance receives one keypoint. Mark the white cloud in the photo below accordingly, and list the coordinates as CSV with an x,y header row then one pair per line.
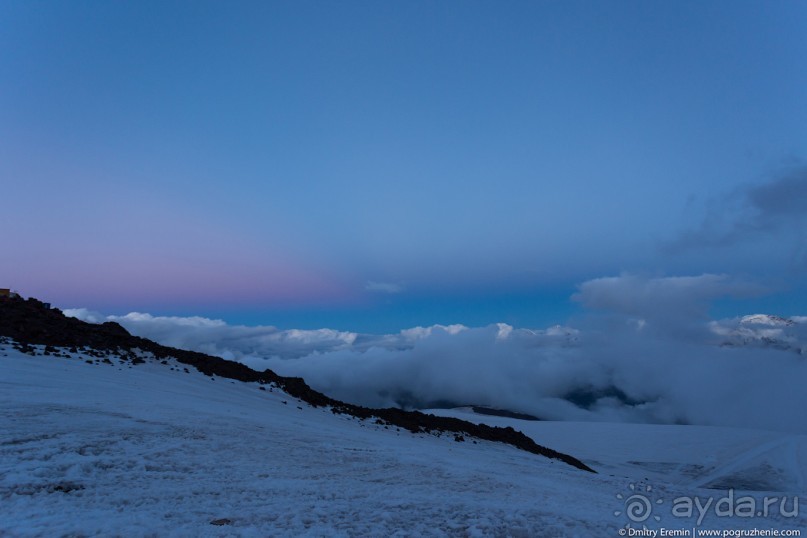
x,y
647,353
83,314
383,287
216,337
416,333
650,297
194,321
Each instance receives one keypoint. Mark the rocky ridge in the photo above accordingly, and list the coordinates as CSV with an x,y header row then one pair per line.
x,y
30,322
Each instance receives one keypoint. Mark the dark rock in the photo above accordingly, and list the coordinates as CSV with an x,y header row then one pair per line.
x,y
65,487
502,413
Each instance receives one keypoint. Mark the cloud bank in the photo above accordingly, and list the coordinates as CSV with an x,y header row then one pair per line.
x,y
659,298
647,353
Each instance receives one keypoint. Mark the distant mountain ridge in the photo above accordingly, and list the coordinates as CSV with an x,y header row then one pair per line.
x,y
767,319
763,330
30,322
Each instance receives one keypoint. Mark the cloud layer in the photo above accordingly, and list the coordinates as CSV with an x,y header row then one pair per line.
x,y
647,353
771,211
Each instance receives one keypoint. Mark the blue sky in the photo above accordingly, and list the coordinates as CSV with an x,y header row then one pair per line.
x,y
378,165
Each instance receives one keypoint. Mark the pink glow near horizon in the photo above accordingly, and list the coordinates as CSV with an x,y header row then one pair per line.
x,y
132,283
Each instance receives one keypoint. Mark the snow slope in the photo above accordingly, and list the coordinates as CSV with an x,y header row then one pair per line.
x,y
689,456
93,449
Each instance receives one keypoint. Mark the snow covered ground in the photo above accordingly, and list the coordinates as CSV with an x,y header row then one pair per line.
x,y
691,456
90,449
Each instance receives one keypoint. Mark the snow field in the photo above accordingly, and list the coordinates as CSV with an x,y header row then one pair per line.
x,y
94,449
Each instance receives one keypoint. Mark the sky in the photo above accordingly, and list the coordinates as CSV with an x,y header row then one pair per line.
x,y
373,166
